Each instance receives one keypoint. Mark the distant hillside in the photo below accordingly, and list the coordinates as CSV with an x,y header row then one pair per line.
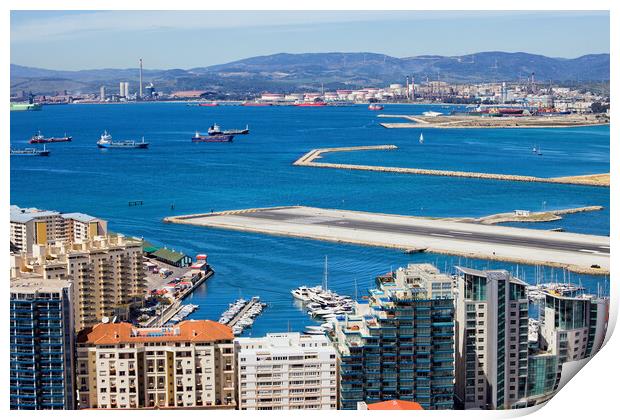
x,y
483,66
283,72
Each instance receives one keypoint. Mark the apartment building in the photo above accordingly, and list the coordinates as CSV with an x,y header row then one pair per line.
x,y
492,339
399,344
41,344
191,364
106,271
285,372
30,226
573,328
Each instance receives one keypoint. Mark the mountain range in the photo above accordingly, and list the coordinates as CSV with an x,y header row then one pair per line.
x,y
286,72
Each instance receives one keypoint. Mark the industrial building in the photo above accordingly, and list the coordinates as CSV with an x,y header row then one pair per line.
x,y
41,344
285,372
123,88
399,344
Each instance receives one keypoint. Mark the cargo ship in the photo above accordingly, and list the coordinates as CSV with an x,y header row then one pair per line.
x,y
40,138
511,111
209,104
477,112
375,107
30,152
215,138
216,130
310,104
550,112
25,106
106,142
256,104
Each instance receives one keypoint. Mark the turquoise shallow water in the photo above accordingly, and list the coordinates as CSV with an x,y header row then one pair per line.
x,y
256,171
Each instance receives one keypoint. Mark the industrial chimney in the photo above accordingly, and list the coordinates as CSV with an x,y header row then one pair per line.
x,y
140,79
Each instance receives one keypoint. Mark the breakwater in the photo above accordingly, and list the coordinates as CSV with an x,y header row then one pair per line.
x,y
463,121
308,159
539,216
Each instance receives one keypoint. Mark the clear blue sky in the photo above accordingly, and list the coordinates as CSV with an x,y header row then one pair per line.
x,y
75,40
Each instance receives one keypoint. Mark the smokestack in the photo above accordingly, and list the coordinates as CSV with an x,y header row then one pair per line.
x,y
407,88
140,78
413,88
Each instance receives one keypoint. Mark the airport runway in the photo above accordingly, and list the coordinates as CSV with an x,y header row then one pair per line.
x,y
498,238
581,253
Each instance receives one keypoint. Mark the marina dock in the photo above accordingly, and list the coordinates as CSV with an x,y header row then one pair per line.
x,y
308,159
177,305
576,252
242,312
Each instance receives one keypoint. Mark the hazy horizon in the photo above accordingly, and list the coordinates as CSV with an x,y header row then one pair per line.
x,y
84,40
325,52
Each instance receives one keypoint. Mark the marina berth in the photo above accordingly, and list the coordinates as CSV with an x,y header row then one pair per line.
x,y
538,292
322,304
241,314
185,311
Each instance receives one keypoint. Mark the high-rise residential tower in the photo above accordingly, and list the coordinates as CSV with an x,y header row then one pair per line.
x,y
573,328
41,344
491,339
400,343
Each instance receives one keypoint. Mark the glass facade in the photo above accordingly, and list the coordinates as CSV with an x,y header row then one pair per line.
x,y
569,313
475,288
41,350
401,348
543,375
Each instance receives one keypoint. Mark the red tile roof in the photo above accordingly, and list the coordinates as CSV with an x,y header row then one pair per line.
x,y
123,332
395,405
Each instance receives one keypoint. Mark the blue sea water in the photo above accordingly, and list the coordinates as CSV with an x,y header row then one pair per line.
x,y
256,171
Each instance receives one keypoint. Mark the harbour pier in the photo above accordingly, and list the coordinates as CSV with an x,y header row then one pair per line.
x,y
177,304
242,312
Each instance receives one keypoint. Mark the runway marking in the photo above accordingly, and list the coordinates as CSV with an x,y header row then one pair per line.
x,y
460,233
442,235
592,251
604,247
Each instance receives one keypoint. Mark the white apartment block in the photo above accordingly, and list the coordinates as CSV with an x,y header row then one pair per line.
x,y
286,371
191,364
491,339
30,226
107,274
